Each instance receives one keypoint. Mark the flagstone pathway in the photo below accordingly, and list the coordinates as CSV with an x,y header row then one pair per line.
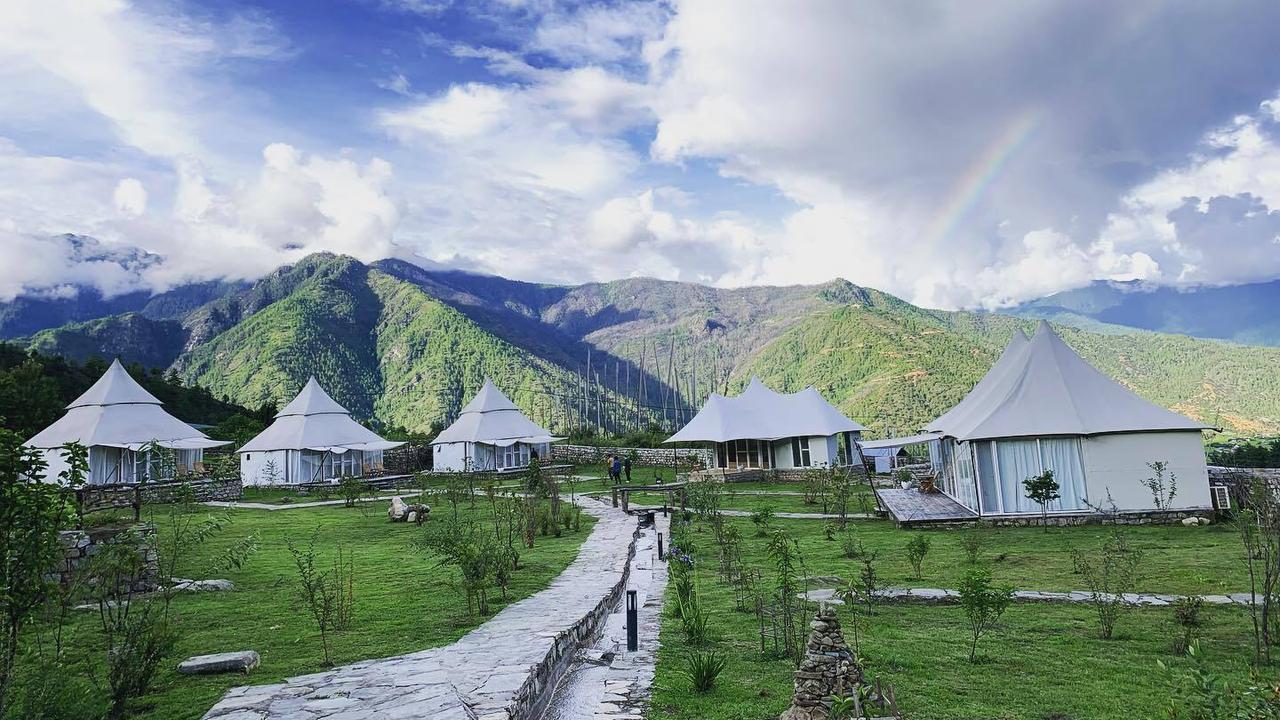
x,y
940,595
500,670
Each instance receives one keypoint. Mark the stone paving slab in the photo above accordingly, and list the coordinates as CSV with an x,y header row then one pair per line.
x,y
488,674
942,595
783,515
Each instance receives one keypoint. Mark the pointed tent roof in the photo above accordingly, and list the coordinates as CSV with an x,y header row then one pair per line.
x,y
492,419
969,404
118,412
1044,388
760,413
315,421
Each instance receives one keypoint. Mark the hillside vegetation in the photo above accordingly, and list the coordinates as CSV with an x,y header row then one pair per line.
x,y
408,346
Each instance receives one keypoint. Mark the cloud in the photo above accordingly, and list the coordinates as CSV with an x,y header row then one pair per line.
x,y
130,197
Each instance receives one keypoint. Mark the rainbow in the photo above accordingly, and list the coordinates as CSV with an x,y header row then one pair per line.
x,y
971,186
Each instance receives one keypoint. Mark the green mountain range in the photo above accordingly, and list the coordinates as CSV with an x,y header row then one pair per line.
x,y
409,346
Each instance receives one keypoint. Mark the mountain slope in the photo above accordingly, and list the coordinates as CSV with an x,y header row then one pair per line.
x,y
408,346
1239,313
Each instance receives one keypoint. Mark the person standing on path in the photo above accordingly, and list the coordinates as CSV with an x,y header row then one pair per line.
x,y
626,468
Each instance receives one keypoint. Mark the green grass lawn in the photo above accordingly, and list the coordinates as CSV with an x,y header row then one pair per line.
x,y
1042,661
404,601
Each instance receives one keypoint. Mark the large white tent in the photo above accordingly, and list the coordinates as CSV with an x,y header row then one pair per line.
x,y
312,439
490,434
761,428
1041,407
121,424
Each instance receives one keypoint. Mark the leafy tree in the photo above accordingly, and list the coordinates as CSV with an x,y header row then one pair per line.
x,y
1042,489
31,513
983,604
917,549
1162,491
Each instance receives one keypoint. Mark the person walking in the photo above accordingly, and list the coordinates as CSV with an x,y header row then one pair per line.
x,y
626,468
608,467
616,469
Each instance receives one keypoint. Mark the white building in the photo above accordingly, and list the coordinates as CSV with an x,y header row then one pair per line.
x,y
490,434
1042,406
761,428
123,426
312,439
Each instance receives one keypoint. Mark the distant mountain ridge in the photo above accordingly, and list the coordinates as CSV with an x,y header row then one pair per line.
x,y
408,346
1239,313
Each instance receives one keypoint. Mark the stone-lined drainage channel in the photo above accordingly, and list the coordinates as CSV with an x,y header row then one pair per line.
x,y
604,680
506,669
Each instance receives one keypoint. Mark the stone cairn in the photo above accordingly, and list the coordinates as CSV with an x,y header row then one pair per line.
x,y
828,668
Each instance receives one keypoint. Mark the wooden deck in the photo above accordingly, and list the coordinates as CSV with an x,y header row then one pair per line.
x,y
912,507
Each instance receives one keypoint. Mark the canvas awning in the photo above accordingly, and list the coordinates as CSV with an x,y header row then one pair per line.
x,y
118,412
889,443
759,413
492,419
1041,387
314,421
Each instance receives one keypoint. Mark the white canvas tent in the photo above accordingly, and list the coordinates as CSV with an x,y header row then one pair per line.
x,y
761,428
490,434
312,439
1042,406
120,423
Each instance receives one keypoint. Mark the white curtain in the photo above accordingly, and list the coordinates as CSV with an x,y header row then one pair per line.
x,y
1062,455
104,465
987,480
1018,460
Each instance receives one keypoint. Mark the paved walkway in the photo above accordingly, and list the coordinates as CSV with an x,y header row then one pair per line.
x,y
494,672
940,595
783,515
241,505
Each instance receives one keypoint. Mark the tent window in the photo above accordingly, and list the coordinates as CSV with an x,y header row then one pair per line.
x,y
800,452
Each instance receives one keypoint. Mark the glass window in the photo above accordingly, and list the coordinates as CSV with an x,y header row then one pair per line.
x,y
1062,455
800,452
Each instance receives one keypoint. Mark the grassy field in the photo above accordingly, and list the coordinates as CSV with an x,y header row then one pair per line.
x,y
1041,661
404,601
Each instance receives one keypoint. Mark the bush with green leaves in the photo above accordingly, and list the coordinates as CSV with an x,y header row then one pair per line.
x,y
1163,490
31,513
1200,693
1109,573
983,604
1188,615
704,668
328,595
352,489
693,618
917,548
972,542
762,519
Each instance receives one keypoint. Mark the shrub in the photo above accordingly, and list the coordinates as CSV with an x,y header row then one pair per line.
x,y
762,518
693,619
1187,615
352,489
983,604
868,579
971,542
1201,694
1162,491
329,595
829,530
704,668
851,546
917,549
1109,574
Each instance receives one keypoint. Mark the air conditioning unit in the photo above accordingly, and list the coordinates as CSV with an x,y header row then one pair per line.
x,y
1221,497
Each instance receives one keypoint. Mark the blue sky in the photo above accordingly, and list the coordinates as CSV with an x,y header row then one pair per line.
x,y
955,154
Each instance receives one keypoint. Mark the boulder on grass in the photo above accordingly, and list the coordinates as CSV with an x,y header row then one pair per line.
x,y
398,510
1190,521
242,661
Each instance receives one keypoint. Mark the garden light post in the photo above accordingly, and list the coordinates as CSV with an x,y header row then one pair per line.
x,y
633,630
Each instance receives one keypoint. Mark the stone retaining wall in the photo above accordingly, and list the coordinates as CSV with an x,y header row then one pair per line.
x,y
643,456
79,546
202,490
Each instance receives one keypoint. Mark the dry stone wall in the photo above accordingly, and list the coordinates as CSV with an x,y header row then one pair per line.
x,y
79,547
